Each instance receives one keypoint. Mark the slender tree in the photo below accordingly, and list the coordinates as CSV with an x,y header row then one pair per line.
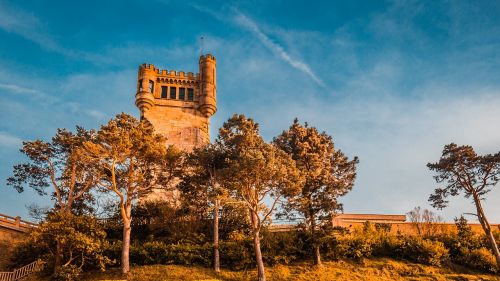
x,y
58,166
328,174
202,185
463,171
425,221
256,172
132,160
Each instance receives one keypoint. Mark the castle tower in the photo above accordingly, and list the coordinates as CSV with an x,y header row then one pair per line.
x,y
179,105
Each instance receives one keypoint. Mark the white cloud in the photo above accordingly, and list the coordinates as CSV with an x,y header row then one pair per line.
x,y
30,27
18,89
10,141
395,138
96,114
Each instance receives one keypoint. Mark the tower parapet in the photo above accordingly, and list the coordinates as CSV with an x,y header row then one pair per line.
x,y
208,87
178,104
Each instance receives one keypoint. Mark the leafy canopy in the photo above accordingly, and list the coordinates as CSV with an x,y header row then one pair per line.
x,y
462,170
59,165
328,173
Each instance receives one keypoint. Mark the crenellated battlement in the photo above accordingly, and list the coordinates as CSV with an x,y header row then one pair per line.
x,y
165,73
207,56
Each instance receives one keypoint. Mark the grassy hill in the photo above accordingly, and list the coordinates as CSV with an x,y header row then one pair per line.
x,y
369,269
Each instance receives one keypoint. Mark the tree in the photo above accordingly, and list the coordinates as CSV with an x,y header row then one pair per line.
x,y
58,164
425,221
82,238
463,171
328,174
202,185
256,171
132,160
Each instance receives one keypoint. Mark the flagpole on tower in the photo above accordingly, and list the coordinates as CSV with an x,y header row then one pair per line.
x,y
201,45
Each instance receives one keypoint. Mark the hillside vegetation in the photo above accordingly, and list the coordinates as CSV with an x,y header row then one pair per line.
x,y
368,269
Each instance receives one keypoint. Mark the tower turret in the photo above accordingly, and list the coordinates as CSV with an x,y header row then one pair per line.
x,y
144,98
208,87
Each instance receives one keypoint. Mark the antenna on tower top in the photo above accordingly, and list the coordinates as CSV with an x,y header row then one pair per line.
x,y
201,46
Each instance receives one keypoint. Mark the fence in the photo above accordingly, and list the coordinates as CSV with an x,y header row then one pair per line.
x,y
16,223
22,272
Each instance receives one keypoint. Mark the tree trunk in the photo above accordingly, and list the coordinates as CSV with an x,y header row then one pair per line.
x,y
127,229
256,245
65,210
487,229
317,256
216,237
58,256
494,247
317,253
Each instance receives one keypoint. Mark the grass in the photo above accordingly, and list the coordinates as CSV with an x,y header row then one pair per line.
x,y
369,269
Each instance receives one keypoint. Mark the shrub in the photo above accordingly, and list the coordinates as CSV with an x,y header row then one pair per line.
x,y
284,247
481,259
237,254
67,273
421,250
158,252
359,247
355,246
81,238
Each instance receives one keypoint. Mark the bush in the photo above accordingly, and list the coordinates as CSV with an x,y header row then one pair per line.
x,y
81,238
237,255
359,247
355,246
480,259
158,252
283,247
67,273
288,247
421,250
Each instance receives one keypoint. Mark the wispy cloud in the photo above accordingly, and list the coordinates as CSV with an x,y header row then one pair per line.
x,y
247,23
26,25
252,26
30,27
96,114
59,98
9,140
18,89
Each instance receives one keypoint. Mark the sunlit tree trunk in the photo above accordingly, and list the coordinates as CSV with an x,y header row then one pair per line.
x,y
256,244
58,256
216,236
127,229
59,245
487,228
317,253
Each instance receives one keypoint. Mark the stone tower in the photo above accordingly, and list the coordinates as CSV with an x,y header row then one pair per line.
x,y
178,105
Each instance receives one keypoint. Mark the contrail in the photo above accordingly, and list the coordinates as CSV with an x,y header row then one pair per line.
x,y
249,24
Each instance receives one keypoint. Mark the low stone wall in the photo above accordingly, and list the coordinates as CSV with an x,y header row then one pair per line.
x,y
11,234
411,228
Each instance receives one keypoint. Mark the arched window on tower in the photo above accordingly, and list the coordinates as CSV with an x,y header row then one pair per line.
x,y
190,94
164,90
140,85
173,93
151,86
182,93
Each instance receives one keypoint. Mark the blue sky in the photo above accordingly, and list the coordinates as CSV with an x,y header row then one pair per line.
x,y
392,81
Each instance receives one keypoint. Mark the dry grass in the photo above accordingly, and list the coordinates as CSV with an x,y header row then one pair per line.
x,y
372,269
